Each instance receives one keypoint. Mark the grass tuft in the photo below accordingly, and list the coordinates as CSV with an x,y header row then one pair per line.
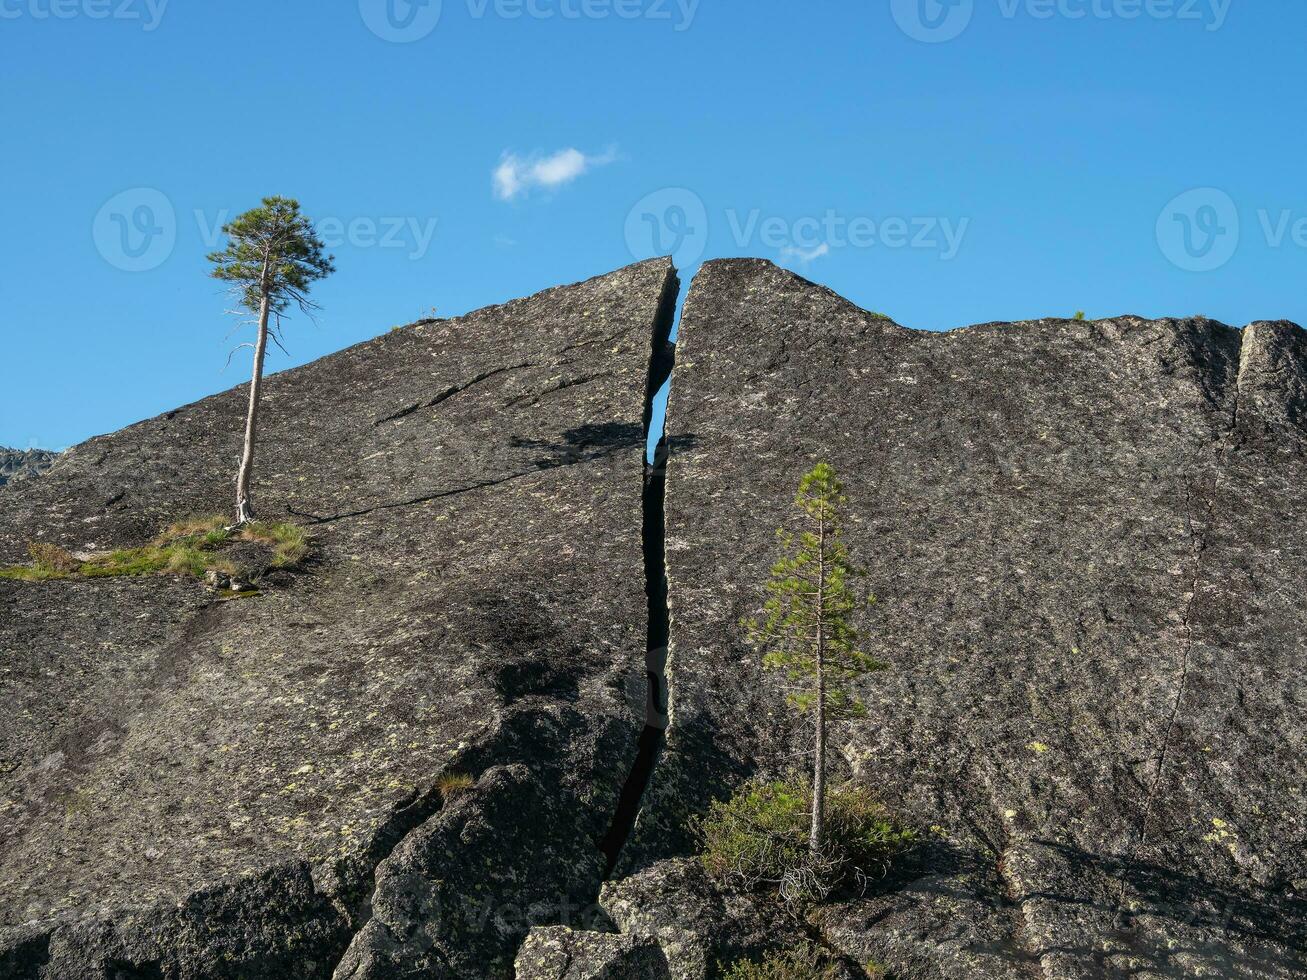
x,y
290,542
212,530
454,785
51,557
759,839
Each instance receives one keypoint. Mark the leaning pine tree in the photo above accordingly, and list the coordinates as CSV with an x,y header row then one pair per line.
x,y
273,256
807,629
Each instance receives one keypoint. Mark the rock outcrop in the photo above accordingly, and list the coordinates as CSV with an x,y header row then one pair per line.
x,y
193,788
1086,539
421,754
17,464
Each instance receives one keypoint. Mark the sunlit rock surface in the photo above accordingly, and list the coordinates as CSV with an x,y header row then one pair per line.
x,y
1087,542
198,788
17,464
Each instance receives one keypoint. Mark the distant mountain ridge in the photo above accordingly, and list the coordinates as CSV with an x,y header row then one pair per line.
x,y
18,463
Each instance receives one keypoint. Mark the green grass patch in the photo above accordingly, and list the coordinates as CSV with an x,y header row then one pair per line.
x,y
189,548
25,573
759,839
49,561
128,561
289,542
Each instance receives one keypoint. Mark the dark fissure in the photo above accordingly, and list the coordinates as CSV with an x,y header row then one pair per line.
x,y
653,539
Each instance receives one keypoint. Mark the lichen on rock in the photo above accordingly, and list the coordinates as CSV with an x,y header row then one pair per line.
x,y
194,788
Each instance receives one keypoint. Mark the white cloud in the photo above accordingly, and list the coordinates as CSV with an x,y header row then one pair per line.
x,y
805,256
517,175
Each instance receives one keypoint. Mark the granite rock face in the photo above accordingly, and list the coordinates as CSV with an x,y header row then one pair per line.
x,y
420,754
558,953
195,788
1086,539
18,464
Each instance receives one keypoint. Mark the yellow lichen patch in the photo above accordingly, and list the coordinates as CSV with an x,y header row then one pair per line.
x,y
1220,835
1039,748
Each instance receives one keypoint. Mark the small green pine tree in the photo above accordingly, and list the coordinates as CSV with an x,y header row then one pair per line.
x,y
808,630
273,256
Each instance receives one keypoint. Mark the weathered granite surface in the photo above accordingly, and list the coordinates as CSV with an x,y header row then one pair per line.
x,y
1087,541
192,788
560,953
18,464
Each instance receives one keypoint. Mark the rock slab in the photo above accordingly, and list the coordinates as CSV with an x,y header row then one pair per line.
x,y
1086,539
194,788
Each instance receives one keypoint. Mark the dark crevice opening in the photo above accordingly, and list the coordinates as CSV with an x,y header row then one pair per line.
x,y
653,540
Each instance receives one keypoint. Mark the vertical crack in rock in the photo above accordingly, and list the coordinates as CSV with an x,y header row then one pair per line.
x,y
653,536
1198,536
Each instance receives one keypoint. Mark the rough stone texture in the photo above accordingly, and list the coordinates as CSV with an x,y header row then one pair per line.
x,y
1087,542
194,788
696,926
669,908
558,953
1085,536
17,464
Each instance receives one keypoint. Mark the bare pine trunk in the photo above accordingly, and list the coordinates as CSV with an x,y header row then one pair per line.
x,y
816,838
244,508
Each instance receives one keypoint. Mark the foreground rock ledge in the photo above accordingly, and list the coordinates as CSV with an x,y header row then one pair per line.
x,y
199,789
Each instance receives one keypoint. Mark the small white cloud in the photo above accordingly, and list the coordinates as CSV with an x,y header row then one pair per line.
x,y
503,241
517,175
805,256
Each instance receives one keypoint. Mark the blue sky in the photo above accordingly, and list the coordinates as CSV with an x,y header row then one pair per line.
x,y
943,164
